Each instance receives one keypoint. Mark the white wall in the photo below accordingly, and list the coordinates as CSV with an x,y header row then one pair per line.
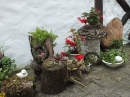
x,y
18,17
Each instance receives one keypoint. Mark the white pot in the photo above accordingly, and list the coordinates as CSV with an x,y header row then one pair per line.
x,y
88,67
113,65
72,56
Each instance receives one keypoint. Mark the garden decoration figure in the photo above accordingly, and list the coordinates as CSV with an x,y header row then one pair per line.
x,y
22,74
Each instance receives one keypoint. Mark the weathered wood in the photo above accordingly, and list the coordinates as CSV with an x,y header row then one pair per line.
x,y
49,45
125,18
126,8
54,79
99,5
124,5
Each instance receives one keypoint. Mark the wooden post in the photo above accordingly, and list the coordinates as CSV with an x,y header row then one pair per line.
x,y
99,5
126,8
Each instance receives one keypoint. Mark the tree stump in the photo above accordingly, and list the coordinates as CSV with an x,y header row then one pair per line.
x,y
36,50
54,80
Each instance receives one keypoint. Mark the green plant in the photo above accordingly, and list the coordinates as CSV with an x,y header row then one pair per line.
x,y
92,17
40,35
116,43
55,61
86,62
15,85
7,65
109,55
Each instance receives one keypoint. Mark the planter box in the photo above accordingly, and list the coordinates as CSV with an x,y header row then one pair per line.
x,y
16,89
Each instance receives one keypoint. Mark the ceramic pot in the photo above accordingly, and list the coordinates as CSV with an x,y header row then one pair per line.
x,y
113,65
88,67
72,56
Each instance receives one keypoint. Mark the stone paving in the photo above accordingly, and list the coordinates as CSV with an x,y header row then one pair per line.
x,y
101,81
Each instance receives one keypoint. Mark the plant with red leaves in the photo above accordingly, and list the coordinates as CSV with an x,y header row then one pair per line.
x,y
73,42
92,17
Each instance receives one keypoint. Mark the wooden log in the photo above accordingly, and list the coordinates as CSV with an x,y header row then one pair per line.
x,y
54,79
125,18
99,5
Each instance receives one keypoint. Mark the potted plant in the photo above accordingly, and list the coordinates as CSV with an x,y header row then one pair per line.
x,y
73,43
87,65
92,17
113,57
54,74
41,43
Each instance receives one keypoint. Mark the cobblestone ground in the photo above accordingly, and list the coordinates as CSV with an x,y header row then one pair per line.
x,y
102,81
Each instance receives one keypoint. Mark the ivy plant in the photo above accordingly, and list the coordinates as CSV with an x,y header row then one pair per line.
x,y
40,35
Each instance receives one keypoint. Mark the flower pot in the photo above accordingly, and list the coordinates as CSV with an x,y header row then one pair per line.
x,y
72,56
113,65
88,67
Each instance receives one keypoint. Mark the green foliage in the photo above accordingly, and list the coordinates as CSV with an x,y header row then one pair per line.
x,y
116,43
93,16
55,64
40,35
109,55
86,62
13,85
6,67
55,61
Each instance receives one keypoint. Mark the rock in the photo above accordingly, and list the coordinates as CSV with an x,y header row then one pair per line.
x,y
115,31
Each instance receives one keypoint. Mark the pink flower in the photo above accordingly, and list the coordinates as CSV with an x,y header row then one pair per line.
x,y
41,55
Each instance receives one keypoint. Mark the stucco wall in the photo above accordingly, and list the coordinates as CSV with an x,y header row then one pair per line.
x,y
18,17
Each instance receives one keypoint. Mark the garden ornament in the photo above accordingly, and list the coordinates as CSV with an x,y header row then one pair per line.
x,y
22,74
118,58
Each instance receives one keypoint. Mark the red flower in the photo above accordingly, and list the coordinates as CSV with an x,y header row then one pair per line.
x,y
98,11
101,16
64,54
82,20
71,43
79,57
